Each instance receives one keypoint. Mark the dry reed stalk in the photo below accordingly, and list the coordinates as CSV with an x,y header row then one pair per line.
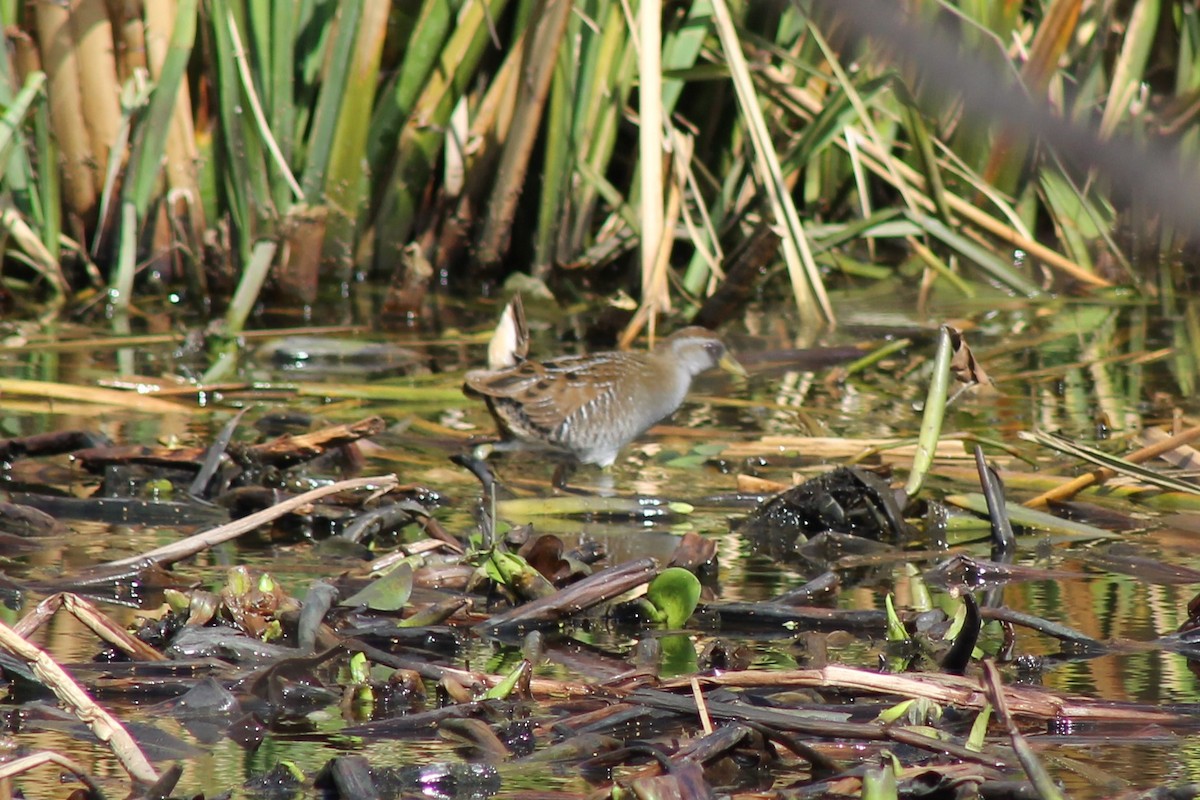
x,y
651,240
92,31
81,177
182,154
550,23
132,53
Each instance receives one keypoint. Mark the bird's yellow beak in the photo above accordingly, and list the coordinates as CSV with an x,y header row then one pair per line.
x,y
731,365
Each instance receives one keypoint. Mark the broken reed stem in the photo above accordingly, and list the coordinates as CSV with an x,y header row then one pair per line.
x,y
1068,490
102,724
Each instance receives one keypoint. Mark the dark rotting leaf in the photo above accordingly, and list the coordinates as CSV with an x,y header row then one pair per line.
x,y
545,554
830,548
591,591
846,500
124,510
225,643
281,782
213,456
624,754
279,421
821,589
288,451
684,781
247,732
390,517
443,781
317,602
165,784
518,737
347,778
576,747
1081,642
49,444
475,733
1098,516
821,765
208,698
1122,558
788,619
721,655
1004,541
424,721
963,572
21,520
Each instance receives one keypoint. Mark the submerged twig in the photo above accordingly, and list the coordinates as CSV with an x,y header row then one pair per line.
x,y
19,766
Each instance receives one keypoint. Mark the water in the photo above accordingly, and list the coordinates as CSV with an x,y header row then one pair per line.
x,y
1051,373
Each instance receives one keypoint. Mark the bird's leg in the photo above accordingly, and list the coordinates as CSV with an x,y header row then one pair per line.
x,y
563,471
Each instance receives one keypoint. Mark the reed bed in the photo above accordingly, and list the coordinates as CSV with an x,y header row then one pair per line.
x,y
213,151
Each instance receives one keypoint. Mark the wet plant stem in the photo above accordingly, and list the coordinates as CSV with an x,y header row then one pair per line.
x,y
935,410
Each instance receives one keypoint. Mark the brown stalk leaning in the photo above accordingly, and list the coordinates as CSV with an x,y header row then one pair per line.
x,y
1103,474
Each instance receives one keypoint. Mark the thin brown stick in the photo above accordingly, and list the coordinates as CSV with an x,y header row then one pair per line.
x,y
171,553
1102,474
92,618
955,690
1041,780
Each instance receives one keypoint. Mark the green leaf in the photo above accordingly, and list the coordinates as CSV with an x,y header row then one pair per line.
x,y
505,687
513,571
896,632
388,593
674,594
979,729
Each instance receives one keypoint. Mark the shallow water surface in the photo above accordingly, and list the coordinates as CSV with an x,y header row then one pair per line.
x,y
1050,374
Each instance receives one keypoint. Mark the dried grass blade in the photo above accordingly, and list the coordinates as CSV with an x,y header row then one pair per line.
x,y
807,286
1130,68
90,394
1110,466
655,296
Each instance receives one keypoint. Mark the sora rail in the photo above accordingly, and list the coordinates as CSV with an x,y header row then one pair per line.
x,y
590,406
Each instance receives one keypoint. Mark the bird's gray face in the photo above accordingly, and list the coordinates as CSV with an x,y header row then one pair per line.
x,y
698,355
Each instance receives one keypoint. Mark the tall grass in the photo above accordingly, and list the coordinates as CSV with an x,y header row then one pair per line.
x,y
490,136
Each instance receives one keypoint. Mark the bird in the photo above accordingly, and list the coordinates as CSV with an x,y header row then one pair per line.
x,y
588,407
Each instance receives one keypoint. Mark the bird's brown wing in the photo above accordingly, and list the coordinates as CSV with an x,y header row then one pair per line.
x,y
549,393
